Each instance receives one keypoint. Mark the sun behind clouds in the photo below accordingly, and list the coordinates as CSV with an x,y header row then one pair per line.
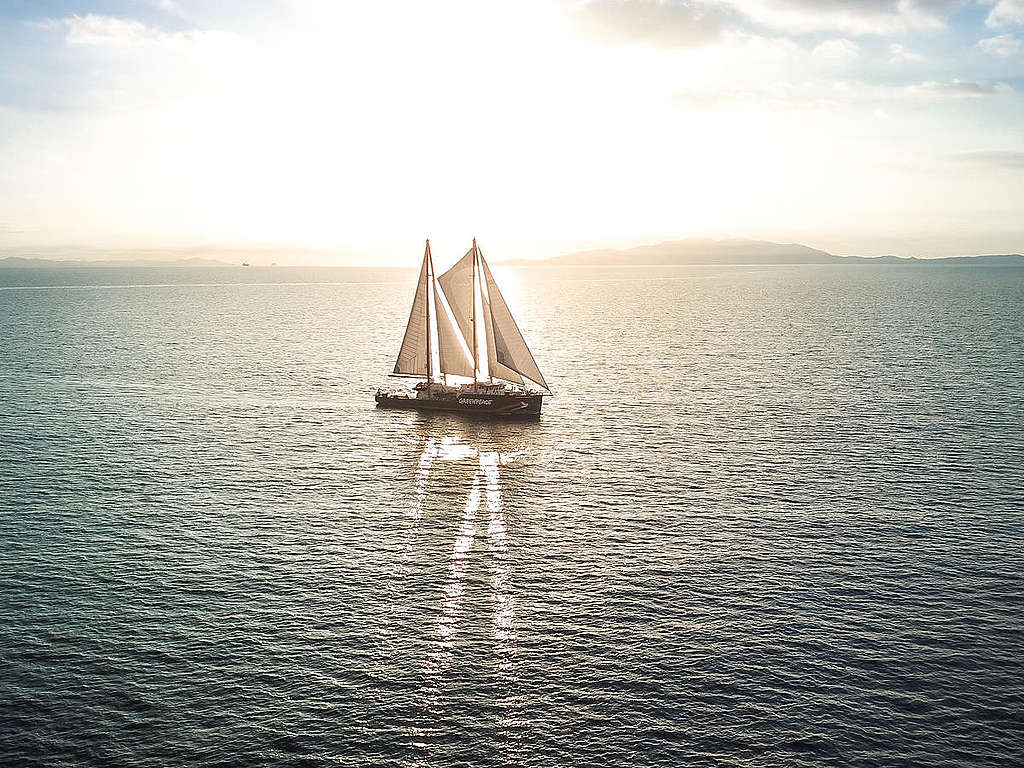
x,y
547,126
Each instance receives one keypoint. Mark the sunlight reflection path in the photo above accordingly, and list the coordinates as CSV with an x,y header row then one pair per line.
x,y
497,543
503,626
410,531
485,488
455,586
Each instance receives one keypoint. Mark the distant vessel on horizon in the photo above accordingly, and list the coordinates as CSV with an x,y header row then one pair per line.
x,y
462,340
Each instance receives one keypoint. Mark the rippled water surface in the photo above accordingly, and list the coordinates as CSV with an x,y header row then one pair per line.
x,y
773,516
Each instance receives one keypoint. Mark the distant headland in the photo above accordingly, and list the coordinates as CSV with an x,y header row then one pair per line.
x,y
737,251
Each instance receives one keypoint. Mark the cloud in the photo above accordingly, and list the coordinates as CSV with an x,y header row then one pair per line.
x,y
826,95
107,30
927,91
689,23
856,17
836,53
1003,46
1006,13
954,89
898,54
113,63
660,23
990,159
110,31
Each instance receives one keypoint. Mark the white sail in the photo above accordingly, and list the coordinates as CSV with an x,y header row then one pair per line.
x,y
510,350
412,357
462,291
456,358
500,343
495,368
457,284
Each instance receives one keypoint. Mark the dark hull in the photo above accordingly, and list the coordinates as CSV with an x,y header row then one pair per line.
x,y
478,404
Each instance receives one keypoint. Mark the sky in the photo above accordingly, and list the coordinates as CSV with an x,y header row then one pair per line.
x,y
360,128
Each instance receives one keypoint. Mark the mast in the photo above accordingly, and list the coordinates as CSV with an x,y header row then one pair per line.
x,y
480,256
476,357
427,288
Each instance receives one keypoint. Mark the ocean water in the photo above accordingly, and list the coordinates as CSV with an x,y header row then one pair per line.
x,y
773,516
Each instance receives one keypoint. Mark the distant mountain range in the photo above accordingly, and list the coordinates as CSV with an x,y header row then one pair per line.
x,y
707,251
672,252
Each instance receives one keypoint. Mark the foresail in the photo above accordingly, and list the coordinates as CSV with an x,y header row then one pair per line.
x,y
496,369
454,354
509,348
412,357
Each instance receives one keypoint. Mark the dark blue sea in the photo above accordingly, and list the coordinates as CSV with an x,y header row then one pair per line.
x,y
773,516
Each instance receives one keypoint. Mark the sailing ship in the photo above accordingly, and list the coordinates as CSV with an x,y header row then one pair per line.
x,y
465,346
